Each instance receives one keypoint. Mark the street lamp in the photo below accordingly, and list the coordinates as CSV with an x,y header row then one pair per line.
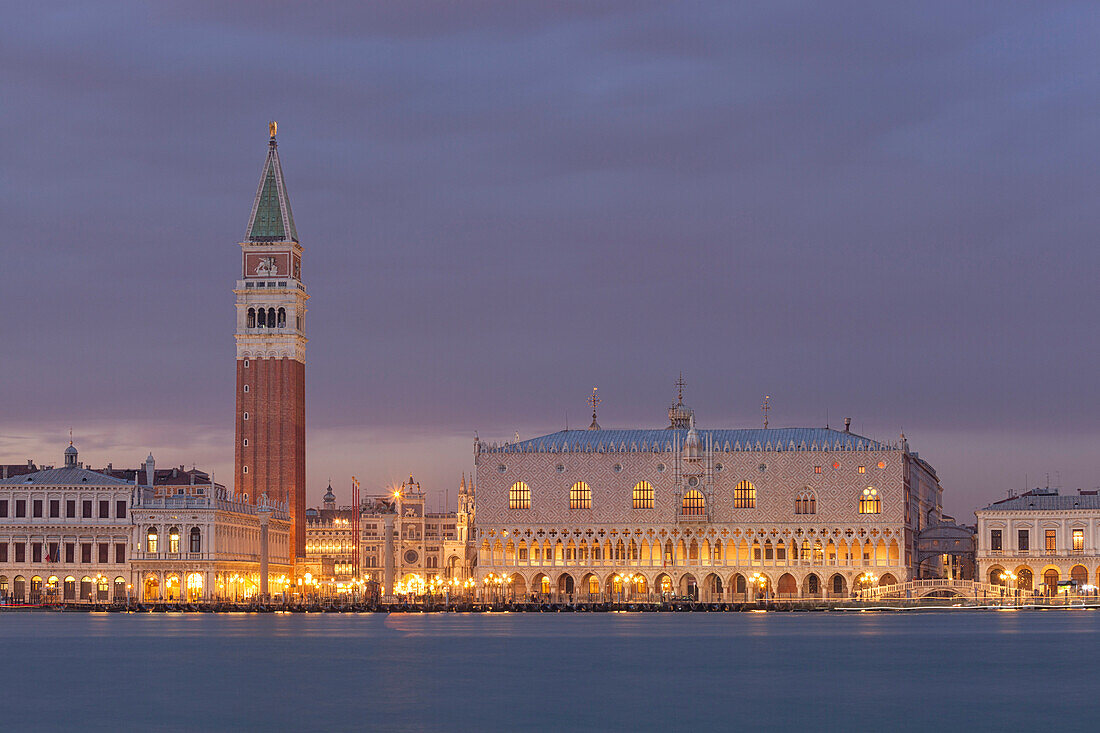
x,y
866,580
761,580
1007,576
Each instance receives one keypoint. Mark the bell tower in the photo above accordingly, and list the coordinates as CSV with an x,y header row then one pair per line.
x,y
270,455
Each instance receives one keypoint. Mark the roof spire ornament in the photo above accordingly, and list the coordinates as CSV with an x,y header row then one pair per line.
x,y
765,408
594,400
678,413
272,128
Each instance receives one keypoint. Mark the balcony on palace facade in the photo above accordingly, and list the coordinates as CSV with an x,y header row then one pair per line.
x,y
1026,554
208,556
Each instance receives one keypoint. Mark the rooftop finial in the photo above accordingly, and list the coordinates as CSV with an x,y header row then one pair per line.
x,y
594,400
680,384
765,408
272,128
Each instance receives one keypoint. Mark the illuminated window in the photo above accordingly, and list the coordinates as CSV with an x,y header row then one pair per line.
x,y
805,503
519,496
869,503
1052,543
151,540
817,469
643,495
174,539
862,469
693,504
580,496
744,496
1078,539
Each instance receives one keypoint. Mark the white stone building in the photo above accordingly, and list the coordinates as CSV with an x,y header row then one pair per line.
x,y
711,514
64,535
209,545
1042,542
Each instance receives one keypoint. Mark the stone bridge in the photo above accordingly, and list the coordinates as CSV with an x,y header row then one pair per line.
x,y
939,588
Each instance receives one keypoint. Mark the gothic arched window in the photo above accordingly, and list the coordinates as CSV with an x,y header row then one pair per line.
x,y
271,318
693,504
251,317
580,496
805,503
282,318
261,318
869,502
519,496
744,495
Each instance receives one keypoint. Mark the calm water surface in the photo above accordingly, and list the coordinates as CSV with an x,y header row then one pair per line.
x,y
837,671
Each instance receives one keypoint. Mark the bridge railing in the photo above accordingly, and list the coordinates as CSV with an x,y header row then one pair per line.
x,y
964,588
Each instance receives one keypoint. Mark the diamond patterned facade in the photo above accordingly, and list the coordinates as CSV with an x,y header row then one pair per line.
x,y
829,509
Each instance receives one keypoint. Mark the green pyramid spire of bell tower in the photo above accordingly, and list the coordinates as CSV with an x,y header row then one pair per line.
x,y
271,219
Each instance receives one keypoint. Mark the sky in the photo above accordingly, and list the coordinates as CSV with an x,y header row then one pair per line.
x,y
871,210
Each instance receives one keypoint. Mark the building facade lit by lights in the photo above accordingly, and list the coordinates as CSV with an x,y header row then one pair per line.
x,y
196,541
1041,542
402,546
712,514
65,533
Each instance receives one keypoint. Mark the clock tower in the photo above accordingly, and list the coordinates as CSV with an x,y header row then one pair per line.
x,y
270,455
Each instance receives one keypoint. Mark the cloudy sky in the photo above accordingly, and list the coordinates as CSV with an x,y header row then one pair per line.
x,y
873,210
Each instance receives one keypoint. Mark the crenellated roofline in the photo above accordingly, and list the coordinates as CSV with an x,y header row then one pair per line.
x,y
666,440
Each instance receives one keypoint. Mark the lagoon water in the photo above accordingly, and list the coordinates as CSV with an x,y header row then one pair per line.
x,y
942,671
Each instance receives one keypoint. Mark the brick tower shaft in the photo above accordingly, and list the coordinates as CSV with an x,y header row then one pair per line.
x,y
270,456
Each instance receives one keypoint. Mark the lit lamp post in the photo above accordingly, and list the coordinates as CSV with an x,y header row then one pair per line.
x,y
1006,577
759,580
866,581
95,587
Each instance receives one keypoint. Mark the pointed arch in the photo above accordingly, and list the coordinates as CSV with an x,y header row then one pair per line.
x,y
805,502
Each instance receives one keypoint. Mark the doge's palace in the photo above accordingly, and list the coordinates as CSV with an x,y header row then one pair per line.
x,y
712,514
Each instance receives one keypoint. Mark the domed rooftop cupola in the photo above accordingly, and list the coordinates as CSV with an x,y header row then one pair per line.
x,y
70,455
679,414
330,498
